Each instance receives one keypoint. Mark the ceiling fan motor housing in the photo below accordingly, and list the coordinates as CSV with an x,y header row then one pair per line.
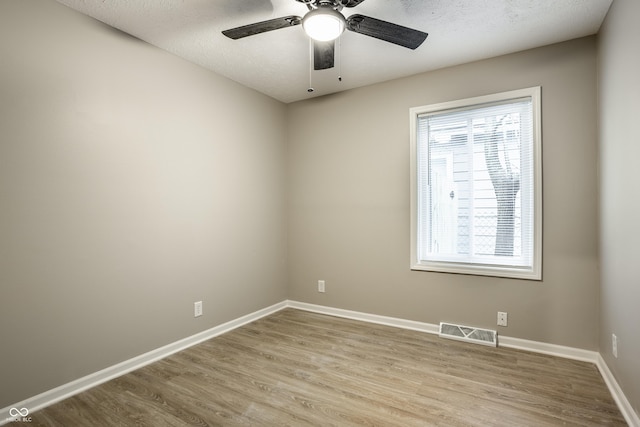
x,y
335,4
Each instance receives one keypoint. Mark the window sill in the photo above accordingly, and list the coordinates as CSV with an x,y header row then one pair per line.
x,y
525,273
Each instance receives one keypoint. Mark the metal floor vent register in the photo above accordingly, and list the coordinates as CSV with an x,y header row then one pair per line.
x,y
469,334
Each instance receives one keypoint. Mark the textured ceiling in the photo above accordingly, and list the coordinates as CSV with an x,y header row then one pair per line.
x,y
277,63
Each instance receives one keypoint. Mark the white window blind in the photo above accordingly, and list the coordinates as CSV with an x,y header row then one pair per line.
x,y
475,186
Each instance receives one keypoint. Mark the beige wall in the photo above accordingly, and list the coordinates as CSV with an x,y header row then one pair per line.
x,y
131,186
349,200
620,207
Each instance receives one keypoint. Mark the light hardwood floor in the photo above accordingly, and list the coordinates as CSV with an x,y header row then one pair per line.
x,y
297,368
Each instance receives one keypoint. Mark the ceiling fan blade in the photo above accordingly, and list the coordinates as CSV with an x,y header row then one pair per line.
x,y
351,3
262,27
383,30
323,54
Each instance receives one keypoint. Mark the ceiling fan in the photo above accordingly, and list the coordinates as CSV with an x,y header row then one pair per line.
x,y
324,23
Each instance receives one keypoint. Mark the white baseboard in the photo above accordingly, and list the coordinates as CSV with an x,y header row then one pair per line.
x,y
627,410
365,317
534,346
67,390
517,343
550,349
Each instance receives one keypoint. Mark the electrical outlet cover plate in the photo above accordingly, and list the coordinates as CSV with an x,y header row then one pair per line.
x,y
320,285
502,318
197,309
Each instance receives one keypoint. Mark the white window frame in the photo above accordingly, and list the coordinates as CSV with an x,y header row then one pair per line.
x,y
533,272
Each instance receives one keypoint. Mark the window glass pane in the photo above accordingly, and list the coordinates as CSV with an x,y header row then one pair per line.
x,y
475,184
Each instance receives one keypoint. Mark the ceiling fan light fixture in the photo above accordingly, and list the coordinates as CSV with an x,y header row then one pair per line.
x,y
323,24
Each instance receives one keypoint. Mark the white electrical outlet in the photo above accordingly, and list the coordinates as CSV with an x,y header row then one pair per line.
x,y
320,285
502,318
197,309
614,345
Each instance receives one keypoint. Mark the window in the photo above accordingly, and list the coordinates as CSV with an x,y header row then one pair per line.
x,y
476,192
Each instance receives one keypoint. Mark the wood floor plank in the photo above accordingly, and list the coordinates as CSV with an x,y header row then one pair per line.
x,y
296,368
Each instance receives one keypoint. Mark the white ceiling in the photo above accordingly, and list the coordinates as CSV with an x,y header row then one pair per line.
x,y
277,63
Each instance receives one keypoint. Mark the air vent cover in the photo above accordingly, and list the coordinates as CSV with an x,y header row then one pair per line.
x,y
469,334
